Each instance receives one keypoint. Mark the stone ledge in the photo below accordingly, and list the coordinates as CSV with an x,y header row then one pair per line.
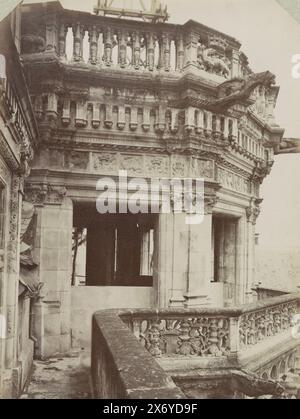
x,y
138,374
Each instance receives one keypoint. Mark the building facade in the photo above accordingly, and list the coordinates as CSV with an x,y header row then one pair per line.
x,y
18,139
154,100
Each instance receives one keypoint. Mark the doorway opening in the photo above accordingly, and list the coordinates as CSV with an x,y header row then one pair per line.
x,y
224,256
112,249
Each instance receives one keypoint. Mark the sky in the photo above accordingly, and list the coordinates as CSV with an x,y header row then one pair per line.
x,y
270,37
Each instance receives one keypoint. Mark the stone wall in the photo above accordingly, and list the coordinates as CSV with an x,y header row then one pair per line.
x,y
53,254
85,301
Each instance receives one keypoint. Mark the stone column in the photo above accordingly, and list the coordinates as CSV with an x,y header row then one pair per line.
x,y
199,270
180,263
172,259
184,258
53,253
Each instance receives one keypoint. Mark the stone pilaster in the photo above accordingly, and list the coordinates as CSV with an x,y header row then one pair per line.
x,y
252,213
53,253
199,272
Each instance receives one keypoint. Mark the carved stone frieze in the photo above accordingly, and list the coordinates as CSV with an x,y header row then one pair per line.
x,y
133,164
202,168
76,160
105,162
233,181
157,166
45,193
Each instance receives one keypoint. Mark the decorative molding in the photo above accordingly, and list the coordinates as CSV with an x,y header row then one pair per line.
x,y
253,211
233,181
7,154
13,244
5,173
45,193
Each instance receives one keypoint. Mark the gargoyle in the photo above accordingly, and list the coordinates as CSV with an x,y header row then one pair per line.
x,y
289,146
239,90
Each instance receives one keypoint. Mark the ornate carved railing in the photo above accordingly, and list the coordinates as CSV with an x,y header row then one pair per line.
x,y
192,334
132,45
258,325
210,332
124,366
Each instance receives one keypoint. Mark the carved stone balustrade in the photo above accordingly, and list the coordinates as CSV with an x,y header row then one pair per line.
x,y
188,346
105,42
259,325
182,84
211,332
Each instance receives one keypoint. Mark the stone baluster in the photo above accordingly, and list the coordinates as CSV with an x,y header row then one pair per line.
x,y
66,118
121,117
179,53
134,118
226,128
93,41
200,122
78,41
108,116
96,120
217,128
235,129
136,50
51,33
51,110
150,52
184,338
81,113
38,107
174,120
108,46
160,120
234,335
262,152
146,119
165,56
63,30
122,49
189,119
208,128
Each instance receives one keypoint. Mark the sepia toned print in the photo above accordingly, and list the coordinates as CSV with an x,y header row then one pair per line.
x,y
149,208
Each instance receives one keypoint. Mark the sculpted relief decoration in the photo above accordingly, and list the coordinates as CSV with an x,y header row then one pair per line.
x,y
202,168
105,162
157,166
232,181
133,164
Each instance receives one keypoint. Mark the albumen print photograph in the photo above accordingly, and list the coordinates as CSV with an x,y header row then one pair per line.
x,y
149,202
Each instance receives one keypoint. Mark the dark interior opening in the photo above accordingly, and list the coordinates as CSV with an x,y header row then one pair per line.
x,y
118,249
